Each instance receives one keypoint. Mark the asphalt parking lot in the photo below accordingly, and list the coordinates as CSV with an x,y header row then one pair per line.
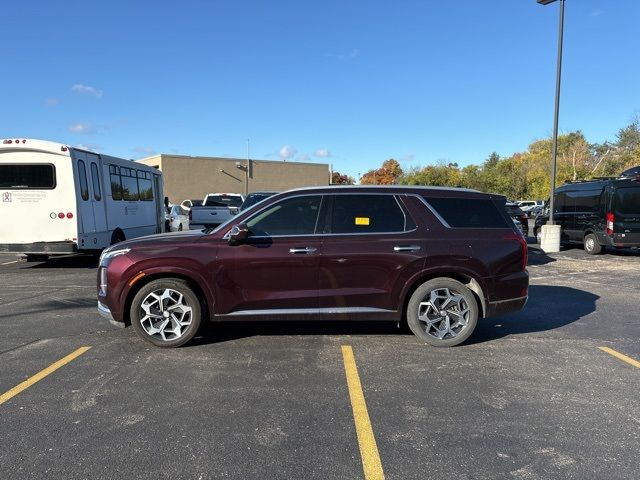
x,y
530,396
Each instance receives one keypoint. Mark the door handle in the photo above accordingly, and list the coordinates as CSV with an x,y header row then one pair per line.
x,y
406,248
302,250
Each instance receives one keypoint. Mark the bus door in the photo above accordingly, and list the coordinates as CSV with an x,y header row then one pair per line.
x,y
95,172
83,194
159,202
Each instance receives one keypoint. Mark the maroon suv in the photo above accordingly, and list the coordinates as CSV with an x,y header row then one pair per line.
x,y
439,258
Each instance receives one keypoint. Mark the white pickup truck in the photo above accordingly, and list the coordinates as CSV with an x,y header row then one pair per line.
x,y
216,208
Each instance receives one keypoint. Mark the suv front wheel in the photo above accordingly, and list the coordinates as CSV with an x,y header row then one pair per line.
x,y
166,312
442,312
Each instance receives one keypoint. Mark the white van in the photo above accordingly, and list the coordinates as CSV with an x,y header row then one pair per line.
x,y
56,199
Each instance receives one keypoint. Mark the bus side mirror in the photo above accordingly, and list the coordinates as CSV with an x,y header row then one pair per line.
x,y
238,234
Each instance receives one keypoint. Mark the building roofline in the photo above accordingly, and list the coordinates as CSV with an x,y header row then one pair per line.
x,y
231,159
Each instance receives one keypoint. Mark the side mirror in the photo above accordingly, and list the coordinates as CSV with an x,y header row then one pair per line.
x,y
238,234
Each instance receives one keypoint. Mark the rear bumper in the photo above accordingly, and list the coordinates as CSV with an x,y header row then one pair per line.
x,y
506,306
622,240
40,247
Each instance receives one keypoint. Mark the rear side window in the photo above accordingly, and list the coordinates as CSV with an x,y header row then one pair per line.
x,y
23,177
82,174
468,213
366,214
627,201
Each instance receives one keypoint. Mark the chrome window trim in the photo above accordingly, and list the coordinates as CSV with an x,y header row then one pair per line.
x,y
432,210
395,195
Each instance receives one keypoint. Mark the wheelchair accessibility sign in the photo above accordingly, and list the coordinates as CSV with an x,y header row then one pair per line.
x,y
6,196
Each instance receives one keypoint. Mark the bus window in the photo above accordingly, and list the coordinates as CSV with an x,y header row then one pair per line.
x,y
82,173
25,176
95,178
146,189
116,185
129,184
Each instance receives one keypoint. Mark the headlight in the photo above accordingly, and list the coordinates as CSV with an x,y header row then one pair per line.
x,y
108,254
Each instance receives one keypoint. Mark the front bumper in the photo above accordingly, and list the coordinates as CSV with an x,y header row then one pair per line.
x,y
106,313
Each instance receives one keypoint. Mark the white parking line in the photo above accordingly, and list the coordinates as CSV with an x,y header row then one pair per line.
x,y
9,263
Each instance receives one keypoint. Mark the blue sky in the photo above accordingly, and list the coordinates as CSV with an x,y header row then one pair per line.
x,y
351,83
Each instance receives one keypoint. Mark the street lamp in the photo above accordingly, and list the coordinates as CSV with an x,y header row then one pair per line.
x,y
245,169
551,236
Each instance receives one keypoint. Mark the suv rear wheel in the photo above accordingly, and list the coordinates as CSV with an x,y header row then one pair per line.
x,y
166,312
442,312
591,244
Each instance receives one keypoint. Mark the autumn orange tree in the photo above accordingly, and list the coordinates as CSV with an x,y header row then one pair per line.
x,y
388,174
338,178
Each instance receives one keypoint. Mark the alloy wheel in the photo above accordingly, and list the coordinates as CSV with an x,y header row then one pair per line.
x,y
165,314
444,314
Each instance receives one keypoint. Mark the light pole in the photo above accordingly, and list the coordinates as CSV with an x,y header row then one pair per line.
x,y
554,233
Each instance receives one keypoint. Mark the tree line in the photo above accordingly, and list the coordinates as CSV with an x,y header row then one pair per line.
x,y
523,175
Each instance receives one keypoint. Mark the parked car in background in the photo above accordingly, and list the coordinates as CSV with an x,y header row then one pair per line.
x,y
254,198
597,214
438,258
187,204
516,213
216,208
528,205
178,218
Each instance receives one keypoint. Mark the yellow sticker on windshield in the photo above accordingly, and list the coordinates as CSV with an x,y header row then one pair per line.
x,y
362,220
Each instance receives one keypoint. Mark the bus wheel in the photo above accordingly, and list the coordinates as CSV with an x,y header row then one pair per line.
x,y
591,245
117,237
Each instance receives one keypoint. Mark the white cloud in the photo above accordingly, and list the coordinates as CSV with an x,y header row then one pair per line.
x,y
51,102
322,153
409,157
595,13
89,146
303,158
81,128
287,152
80,88
350,55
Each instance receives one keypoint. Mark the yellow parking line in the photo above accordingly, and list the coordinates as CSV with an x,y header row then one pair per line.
x,y
621,356
366,440
41,374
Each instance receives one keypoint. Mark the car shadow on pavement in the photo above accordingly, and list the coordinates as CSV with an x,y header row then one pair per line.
x,y
228,331
71,261
549,307
569,305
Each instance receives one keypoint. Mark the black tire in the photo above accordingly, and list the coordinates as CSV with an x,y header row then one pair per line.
x,y
591,244
420,302
189,299
117,236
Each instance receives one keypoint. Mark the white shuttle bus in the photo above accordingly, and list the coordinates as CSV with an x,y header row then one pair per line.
x,y
56,199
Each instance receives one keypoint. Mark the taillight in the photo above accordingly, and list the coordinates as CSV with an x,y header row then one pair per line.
x,y
523,245
61,215
610,219
69,215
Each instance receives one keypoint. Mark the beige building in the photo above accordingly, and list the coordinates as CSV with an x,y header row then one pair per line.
x,y
193,177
